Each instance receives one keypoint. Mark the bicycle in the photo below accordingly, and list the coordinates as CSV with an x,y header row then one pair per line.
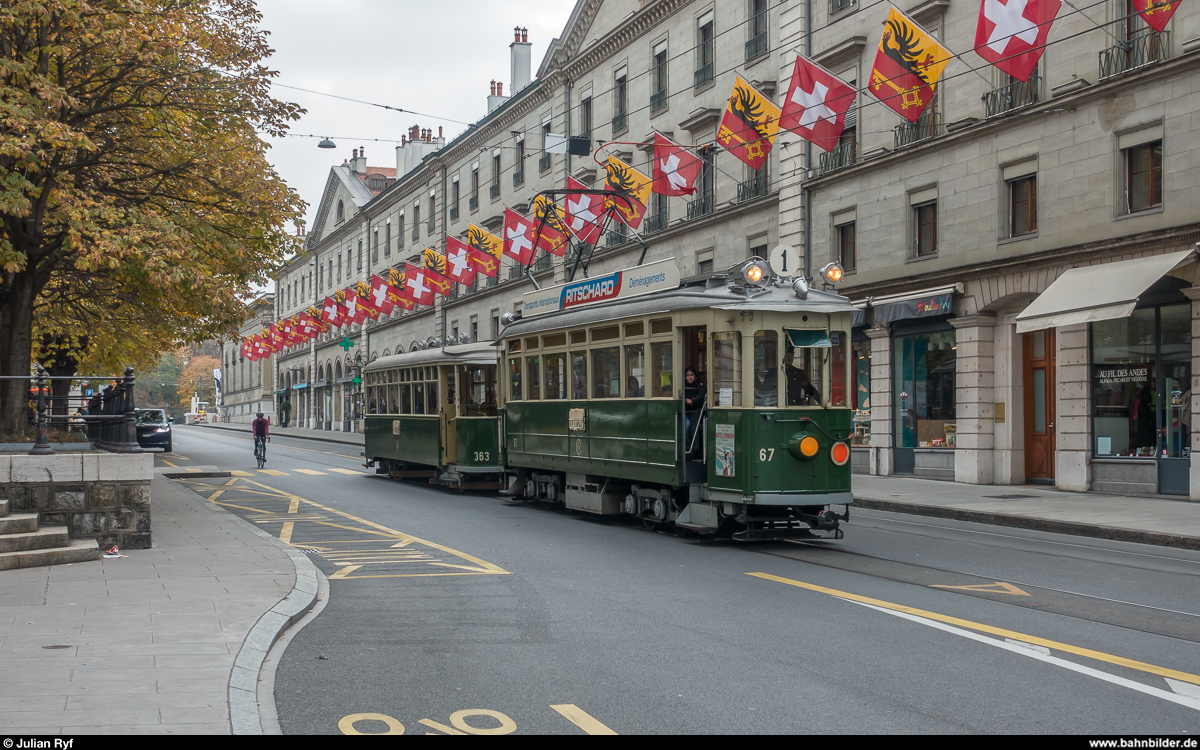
x,y
260,451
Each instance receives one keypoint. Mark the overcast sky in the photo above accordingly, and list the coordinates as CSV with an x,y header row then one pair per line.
x,y
435,58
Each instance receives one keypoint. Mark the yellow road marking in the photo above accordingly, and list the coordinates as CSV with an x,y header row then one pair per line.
x,y
582,719
310,472
440,727
295,448
294,505
213,497
405,543
344,471
1120,661
240,473
273,472
168,463
999,587
346,571
191,470
231,481
285,534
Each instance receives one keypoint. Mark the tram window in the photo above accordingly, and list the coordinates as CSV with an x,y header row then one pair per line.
x,y
804,368
481,395
837,368
579,374
556,374
418,398
514,377
531,342
578,337
558,339
606,334
514,345
766,368
405,400
727,369
635,329
431,398
392,406
606,372
635,370
451,390
533,372
431,373
662,325
660,370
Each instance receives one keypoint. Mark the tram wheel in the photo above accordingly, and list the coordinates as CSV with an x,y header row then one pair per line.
x,y
649,524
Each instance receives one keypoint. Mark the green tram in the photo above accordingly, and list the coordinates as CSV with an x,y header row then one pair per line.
x,y
433,413
595,413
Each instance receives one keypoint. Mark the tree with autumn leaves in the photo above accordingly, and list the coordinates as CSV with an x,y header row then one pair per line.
x,y
137,207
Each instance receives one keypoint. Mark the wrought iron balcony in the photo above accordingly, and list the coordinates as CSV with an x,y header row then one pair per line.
x,y
516,272
700,207
613,238
842,156
1015,95
544,163
519,178
756,46
542,263
618,123
755,187
1144,49
926,126
494,191
454,213
703,75
473,202
655,223
658,100
491,281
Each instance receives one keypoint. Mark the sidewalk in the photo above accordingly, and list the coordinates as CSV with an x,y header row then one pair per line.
x,y
1145,520
326,436
163,641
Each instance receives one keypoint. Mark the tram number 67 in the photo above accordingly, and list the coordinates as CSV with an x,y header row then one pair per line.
x,y
766,454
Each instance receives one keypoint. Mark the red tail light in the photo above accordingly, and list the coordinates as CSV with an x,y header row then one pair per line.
x,y
840,453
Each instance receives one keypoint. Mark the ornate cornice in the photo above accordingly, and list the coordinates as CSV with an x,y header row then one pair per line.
x,y
579,62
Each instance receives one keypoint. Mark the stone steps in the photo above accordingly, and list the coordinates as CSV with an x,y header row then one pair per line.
x,y
18,523
79,550
31,540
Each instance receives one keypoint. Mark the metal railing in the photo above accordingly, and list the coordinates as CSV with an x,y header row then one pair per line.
x,y
839,157
491,281
700,207
1015,95
655,223
756,46
925,127
519,178
106,419
658,100
618,123
516,272
615,237
542,263
494,191
1144,49
703,75
544,162
473,202
755,187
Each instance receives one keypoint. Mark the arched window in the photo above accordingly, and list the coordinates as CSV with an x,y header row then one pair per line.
x,y
386,353
339,370
341,214
320,373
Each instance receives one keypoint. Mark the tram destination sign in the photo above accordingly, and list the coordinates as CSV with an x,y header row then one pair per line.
x,y
631,282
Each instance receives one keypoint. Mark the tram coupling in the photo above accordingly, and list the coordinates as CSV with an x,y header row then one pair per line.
x,y
825,524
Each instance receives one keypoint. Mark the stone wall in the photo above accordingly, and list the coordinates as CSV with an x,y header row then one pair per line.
x,y
101,496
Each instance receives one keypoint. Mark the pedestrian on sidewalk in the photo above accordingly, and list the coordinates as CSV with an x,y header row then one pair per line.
x,y
285,412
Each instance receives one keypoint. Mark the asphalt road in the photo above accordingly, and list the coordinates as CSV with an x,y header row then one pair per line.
x,y
465,613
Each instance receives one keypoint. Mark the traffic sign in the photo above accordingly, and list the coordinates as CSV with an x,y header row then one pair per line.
x,y
785,261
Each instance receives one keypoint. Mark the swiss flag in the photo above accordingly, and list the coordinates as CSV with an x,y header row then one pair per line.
x,y
1156,13
1012,33
332,313
584,213
355,311
309,327
416,285
518,237
675,168
816,104
459,265
258,342
379,295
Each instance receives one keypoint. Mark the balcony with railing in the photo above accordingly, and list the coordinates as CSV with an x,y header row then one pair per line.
x,y
658,100
490,281
494,190
516,272
703,75
619,123
756,46
615,237
519,178
755,187
1015,95
702,206
454,213
655,223
840,157
543,263
473,202
544,163
927,126
1144,49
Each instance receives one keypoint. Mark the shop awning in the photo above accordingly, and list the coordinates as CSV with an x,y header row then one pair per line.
x,y
1100,292
858,318
924,303
299,386
800,337
281,391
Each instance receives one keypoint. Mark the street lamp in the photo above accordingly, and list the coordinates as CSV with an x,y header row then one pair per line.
x,y
326,143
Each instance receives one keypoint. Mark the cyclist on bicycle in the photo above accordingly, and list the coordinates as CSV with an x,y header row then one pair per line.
x,y
261,428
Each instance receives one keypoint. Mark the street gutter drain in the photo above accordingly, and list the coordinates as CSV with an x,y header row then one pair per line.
x,y
1010,497
59,645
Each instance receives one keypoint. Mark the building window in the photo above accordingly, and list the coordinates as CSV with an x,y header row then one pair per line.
x,y
1022,199
585,118
705,267
620,103
705,50
375,248
341,212
925,367
1143,169
759,250
454,196
431,223
925,229
658,84
845,238
860,384
473,201
756,45
339,267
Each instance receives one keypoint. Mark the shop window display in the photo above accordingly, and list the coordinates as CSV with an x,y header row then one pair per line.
x,y
925,381
860,373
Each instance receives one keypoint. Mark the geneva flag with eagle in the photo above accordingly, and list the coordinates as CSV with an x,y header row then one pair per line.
x,y
907,66
749,125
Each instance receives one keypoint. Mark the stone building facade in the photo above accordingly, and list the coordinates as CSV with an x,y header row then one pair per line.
x,y
247,386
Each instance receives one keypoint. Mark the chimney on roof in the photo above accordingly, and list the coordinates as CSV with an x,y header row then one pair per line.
x,y
439,132
499,88
359,163
522,55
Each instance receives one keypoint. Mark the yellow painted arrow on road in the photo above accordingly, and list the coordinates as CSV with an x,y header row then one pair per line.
x,y
999,587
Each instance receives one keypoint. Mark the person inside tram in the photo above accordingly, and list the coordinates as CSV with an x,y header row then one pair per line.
x,y
694,394
633,389
800,390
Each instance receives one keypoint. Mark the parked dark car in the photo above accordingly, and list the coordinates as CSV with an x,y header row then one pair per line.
x,y
153,429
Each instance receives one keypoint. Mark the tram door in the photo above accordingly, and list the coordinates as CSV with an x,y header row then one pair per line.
x,y
448,413
695,354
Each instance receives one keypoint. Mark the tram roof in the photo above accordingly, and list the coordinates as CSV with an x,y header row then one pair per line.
x,y
480,352
716,294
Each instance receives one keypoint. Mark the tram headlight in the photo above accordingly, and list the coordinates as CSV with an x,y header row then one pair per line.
x,y
754,273
832,272
803,447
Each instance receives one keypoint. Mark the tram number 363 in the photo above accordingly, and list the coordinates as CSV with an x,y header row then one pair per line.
x,y
766,454
483,456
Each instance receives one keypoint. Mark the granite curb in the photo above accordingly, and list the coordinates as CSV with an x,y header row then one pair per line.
x,y
324,436
1033,523
244,717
